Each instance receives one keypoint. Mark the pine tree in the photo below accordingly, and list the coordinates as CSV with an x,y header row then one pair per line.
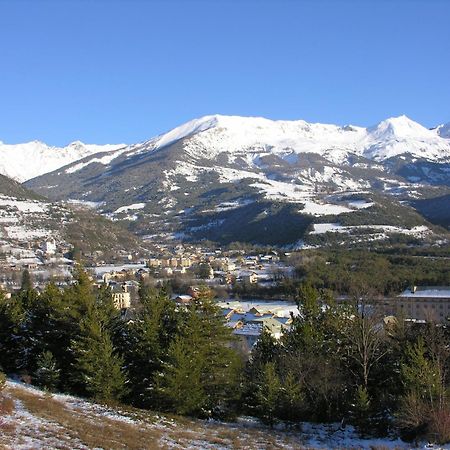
x,y
145,344
26,284
201,376
12,316
98,367
361,410
269,394
47,373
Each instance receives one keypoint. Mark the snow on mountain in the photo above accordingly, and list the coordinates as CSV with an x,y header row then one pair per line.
x,y
251,138
443,130
399,135
247,139
29,160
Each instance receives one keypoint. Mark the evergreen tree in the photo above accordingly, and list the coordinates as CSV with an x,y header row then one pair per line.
x,y
26,283
145,344
269,394
47,372
361,410
201,376
12,316
98,367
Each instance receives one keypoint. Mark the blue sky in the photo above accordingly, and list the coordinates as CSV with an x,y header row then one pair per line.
x,y
123,71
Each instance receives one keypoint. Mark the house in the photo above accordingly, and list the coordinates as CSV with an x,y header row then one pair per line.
x,y
183,299
227,313
228,278
142,274
167,271
121,297
193,291
250,278
248,334
185,262
49,247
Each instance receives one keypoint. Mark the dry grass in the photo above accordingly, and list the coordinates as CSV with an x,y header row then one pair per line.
x,y
107,433
6,406
71,424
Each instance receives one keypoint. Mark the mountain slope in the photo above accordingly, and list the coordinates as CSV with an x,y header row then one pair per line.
x,y
200,179
24,161
28,219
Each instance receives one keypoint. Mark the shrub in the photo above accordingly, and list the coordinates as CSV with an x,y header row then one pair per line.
x,y
439,428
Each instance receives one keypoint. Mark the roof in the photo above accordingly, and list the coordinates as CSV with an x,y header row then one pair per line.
x,y
249,329
227,311
428,292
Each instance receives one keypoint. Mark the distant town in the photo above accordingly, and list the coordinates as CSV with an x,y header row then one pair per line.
x,y
243,283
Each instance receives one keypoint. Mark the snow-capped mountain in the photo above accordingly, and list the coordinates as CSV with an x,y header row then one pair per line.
x,y
443,130
236,178
249,137
29,160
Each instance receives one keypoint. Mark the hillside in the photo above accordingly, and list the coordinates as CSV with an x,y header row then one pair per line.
x,y
40,420
12,188
228,178
28,219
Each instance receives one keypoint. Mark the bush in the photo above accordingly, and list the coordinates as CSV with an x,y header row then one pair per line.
x,y
439,428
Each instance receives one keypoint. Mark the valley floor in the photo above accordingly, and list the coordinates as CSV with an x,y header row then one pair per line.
x,y
34,420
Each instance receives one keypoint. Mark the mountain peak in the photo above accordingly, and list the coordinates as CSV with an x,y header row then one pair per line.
x,y
398,128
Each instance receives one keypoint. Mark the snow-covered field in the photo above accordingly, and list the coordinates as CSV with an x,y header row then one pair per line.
x,y
43,421
380,231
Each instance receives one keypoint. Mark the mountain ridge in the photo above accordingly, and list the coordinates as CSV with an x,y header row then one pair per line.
x,y
389,138
198,180
31,159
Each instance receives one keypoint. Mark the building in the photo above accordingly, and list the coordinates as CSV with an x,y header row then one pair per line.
x,y
49,247
121,297
154,262
429,303
250,278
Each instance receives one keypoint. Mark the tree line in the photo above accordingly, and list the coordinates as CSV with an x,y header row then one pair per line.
x,y
337,362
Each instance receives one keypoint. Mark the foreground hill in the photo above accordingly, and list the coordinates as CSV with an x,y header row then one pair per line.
x,y
241,178
34,419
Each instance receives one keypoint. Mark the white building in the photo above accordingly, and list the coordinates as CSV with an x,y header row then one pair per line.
x,y
49,247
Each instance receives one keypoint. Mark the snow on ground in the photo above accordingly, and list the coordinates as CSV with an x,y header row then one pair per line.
x,y
418,231
86,203
107,157
126,208
26,206
100,270
323,209
320,228
360,204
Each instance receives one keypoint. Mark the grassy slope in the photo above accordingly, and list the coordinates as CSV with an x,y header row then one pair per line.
x,y
38,420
